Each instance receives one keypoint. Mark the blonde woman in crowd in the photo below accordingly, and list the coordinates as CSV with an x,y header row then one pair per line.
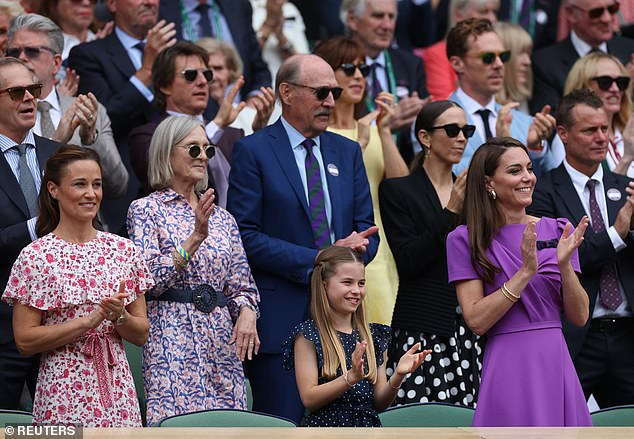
x,y
518,75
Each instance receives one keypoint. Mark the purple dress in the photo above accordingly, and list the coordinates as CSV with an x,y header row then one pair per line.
x,y
528,378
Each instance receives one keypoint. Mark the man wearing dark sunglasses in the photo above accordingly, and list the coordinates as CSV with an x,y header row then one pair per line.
x,y
477,55
294,188
78,120
591,29
22,158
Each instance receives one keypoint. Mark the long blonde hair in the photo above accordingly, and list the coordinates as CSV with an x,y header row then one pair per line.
x,y
334,356
517,40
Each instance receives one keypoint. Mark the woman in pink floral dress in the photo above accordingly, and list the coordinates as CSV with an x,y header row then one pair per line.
x,y
76,292
204,306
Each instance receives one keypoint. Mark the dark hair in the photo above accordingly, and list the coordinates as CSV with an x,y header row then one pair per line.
x,y
339,50
580,96
480,212
460,33
164,67
54,170
427,117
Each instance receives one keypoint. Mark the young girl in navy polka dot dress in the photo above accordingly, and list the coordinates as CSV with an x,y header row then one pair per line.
x,y
339,358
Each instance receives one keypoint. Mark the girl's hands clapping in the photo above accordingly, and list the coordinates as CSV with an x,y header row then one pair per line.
x,y
568,242
357,371
529,248
411,360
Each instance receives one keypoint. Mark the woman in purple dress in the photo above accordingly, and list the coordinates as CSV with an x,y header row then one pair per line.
x,y
514,274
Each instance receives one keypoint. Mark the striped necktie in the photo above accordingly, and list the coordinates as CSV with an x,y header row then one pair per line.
x,y
316,199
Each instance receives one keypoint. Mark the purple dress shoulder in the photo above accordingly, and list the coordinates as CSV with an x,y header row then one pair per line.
x,y
528,378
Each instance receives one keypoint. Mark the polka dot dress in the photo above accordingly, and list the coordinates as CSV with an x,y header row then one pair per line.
x,y
450,374
355,407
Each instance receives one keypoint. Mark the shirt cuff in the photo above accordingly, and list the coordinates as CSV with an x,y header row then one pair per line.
x,y
214,132
30,224
617,242
146,92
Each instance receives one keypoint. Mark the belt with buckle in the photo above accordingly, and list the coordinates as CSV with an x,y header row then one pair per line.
x,y
204,297
611,324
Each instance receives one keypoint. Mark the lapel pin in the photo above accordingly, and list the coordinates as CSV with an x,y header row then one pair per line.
x,y
614,194
332,169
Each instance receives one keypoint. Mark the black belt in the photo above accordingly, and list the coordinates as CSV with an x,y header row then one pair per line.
x,y
204,297
611,324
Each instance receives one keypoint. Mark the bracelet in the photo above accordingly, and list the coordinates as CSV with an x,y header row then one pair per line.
x,y
505,288
122,319
345,378
184,253
390,383
178,260
507,296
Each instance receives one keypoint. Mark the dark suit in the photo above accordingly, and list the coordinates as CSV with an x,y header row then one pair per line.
x,y
546,15
238,14
552,64
139,144
105,69
15,369
555,196
267,198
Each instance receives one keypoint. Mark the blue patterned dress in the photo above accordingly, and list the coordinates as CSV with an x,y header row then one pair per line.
x,y
354,408
188,363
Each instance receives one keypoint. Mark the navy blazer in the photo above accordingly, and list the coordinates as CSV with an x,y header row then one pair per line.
x,y
266,196
556,197
14,234
238,14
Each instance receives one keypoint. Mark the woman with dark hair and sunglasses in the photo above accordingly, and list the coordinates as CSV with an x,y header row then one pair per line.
x,y
609,79
76,292
418,212
204,306
380,157
515,275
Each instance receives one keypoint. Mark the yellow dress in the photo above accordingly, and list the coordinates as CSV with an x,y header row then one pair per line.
x,y
380,274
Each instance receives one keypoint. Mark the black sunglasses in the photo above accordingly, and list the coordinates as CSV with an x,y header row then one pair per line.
x,y
322,93
605,82
452,129
598,12
17,93
195,150
30,52
349,69
489,57
190,75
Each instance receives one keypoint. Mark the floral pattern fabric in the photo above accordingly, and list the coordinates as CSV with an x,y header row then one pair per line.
x,y
188,362
87,382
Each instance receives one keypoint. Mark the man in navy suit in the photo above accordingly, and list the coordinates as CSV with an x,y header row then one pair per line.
x,y
269,197
117,70
17,221
603,350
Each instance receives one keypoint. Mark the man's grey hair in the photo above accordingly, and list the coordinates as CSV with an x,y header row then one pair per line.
x,y
38,23
356,6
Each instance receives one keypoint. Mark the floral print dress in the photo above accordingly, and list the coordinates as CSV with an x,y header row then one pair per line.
x,y
87,382
188,362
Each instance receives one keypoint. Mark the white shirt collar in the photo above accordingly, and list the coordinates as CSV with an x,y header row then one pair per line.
x,y
584,48
470,105
379,59
579,180
53,99
127,40
198,117
295,137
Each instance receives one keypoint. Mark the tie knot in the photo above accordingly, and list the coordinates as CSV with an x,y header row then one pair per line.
x,y
21,148
484,112
44,106
202,8
308,144
140,46
591,184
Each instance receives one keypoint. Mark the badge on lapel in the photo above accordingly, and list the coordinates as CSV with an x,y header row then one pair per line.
x,y
614,194
332,169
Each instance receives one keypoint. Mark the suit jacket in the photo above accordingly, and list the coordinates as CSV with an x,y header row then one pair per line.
x,y
139,144
238,14
552,64
416,227
546,13
115,175
556,197
14,234
266,196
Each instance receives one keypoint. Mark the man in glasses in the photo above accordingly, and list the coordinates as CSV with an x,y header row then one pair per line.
x,y
592,24
117,70
477,55
38,41
603,349
295,188
372,23
181,79
22,159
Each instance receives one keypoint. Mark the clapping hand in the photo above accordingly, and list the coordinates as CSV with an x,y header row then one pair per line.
x,y
411,360
568,242
357,241
357,369
529,248
110,308
202,213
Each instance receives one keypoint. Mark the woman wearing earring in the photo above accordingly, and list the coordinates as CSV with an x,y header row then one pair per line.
x,y
418,212
380,157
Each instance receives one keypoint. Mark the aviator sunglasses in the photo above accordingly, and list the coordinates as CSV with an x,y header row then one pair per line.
x,y
195,150
322,93
30,52
605,82
17,93
190,75
598,12
489,57
349,69
452,129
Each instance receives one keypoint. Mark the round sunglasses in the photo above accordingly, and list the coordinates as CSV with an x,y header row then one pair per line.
x,y
190,75
321,93
195,150
452,129
605,82
17,93
349,69
490,57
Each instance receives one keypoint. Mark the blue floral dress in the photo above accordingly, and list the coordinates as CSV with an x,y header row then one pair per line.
x,y
354,408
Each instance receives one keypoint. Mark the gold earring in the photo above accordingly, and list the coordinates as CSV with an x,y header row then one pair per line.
x,y
492,194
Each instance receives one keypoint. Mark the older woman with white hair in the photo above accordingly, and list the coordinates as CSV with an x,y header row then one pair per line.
x,y
204,306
